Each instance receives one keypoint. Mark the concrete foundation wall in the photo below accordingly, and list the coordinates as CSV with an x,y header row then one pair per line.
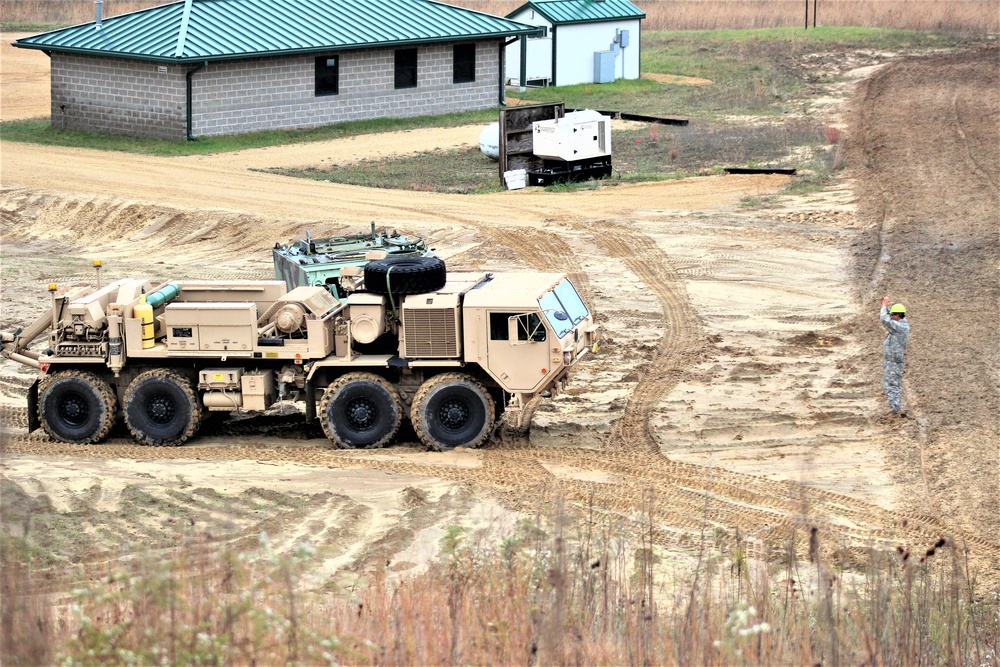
x,y
231,97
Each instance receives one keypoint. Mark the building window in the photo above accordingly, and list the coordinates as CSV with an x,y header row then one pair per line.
x,y
327,75
465,63
406,68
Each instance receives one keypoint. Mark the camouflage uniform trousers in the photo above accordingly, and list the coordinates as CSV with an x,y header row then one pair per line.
x,y
892,381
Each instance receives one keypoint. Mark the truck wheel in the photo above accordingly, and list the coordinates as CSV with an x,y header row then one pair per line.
x,y
452,410
75,406
360,411
162,408
407,275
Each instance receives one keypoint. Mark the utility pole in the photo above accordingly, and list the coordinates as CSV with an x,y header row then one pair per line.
x,y
807,15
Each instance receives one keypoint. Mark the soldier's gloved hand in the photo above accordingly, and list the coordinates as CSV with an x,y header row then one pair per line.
x,y
885,301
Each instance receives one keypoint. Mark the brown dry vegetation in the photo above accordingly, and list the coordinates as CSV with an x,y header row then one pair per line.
x,y
962,16
564,591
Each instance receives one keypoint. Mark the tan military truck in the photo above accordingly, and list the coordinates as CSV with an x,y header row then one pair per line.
x,y
452,351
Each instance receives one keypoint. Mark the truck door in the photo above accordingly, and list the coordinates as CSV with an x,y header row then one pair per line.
x,y
517,349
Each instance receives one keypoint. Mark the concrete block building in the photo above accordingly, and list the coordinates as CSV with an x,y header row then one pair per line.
x,y
210,67
584,41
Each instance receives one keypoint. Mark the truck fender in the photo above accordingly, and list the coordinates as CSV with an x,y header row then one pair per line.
x,y
33,422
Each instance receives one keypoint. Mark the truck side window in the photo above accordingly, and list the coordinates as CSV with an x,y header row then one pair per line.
x,y
498,325
529,326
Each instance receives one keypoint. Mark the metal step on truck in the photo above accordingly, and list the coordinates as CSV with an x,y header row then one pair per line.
x,y
450,351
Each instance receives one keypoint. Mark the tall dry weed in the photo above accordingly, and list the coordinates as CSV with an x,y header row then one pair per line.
x,y
953,16
567,588
26,618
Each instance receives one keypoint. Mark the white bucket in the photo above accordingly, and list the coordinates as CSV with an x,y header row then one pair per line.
x,y
515,179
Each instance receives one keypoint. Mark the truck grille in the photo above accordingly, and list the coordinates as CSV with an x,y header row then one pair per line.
x,y
430,332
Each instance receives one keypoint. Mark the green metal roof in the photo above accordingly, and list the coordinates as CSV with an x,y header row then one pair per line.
x,y
200,30
563,12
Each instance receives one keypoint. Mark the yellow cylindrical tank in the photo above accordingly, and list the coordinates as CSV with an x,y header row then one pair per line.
x,y
144,312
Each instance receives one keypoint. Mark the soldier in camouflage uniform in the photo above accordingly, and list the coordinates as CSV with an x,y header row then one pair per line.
x,y
893,351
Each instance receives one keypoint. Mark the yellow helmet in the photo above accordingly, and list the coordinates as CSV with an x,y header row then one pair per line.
x,y
897,308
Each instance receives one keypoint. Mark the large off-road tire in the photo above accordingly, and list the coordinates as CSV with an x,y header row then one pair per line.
x,y
407,275
162,408
452,410
76,406
360,411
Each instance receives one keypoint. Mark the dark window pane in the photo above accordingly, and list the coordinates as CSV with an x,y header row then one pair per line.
x,y
406,68
465,63
327,75
498,326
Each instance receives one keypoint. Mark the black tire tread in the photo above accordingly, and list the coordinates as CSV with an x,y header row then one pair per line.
x,y
189,393
409,275
105,392
421,428
330,394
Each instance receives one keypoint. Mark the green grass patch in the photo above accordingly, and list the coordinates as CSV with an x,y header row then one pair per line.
x,y
753,72
645,153
461,171
41,131
29,27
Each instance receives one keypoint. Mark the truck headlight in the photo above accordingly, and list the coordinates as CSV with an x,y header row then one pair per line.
x,y
567,358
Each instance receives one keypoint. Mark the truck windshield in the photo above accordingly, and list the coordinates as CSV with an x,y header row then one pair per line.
x,y
563,307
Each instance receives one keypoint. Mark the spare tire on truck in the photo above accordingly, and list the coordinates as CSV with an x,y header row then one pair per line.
x,y
405,275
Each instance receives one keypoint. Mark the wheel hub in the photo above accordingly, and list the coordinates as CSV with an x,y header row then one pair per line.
x,y
453,414
73,410
161,409
361,413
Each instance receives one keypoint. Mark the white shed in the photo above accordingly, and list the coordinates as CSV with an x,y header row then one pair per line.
x,y
585,41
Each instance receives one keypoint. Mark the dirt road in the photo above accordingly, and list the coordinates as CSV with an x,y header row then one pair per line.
x,y
737,386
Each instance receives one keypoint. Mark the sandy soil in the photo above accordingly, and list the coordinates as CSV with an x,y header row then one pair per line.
x,y
25,73
738,380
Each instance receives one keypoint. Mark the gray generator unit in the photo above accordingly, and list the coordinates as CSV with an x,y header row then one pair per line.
x,y
576,147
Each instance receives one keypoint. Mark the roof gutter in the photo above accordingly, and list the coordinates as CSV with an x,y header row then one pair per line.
x,y
190,74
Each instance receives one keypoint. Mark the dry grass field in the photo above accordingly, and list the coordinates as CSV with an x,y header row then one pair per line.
x,y
956,16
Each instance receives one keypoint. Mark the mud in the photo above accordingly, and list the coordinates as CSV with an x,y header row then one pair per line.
x,y
737,386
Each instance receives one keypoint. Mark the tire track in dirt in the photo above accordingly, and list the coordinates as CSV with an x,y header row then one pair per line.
x,y
692,495
544,251
975,166
678,346
689,498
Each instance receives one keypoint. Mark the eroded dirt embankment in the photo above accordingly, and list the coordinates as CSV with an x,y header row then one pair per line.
x,y
926,150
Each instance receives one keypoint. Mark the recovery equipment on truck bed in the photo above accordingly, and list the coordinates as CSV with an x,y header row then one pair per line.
x,y
319,261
